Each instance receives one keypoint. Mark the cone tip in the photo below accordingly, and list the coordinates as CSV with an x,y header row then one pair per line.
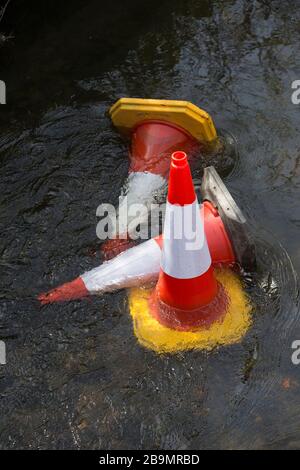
x,y
181,188
179,158
70,291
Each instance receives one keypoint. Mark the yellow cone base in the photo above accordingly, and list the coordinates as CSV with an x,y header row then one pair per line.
x,y
233,326
126,113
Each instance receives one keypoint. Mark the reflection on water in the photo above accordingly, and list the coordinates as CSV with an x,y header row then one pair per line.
x,y
76,377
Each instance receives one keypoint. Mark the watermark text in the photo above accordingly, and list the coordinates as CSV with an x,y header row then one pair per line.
x,y
139,221
296,354
2,353
295,97
2,92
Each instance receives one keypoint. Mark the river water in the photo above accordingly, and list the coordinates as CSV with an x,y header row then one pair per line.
x,y
75,375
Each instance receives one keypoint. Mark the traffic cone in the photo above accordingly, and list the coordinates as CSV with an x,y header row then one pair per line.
x,y
133,267
228,237
156,129
140,264
151,146
187,295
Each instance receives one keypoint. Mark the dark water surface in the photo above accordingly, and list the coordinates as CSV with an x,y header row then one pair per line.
x,y
75,375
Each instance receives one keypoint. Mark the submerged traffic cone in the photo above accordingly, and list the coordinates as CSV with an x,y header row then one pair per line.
x,y
228,237
187,294
152,144
133,267
157,128
138,265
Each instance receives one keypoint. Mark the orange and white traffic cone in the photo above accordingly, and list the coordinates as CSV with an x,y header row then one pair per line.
x,y
227,239
141,264
152,144
133,267
187,295
157,128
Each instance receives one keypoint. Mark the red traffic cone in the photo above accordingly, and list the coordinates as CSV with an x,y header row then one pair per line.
x,y
151,146
157,128
140,264
187,294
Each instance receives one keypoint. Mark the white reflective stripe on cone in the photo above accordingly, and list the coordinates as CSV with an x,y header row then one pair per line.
x,y
131,268
185,252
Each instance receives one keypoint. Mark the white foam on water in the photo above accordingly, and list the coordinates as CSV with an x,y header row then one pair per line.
x,y
141,188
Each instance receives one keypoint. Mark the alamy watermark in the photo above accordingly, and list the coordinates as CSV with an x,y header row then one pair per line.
x,y
138,221
295,97
2,92
2,353
296,354
134,219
